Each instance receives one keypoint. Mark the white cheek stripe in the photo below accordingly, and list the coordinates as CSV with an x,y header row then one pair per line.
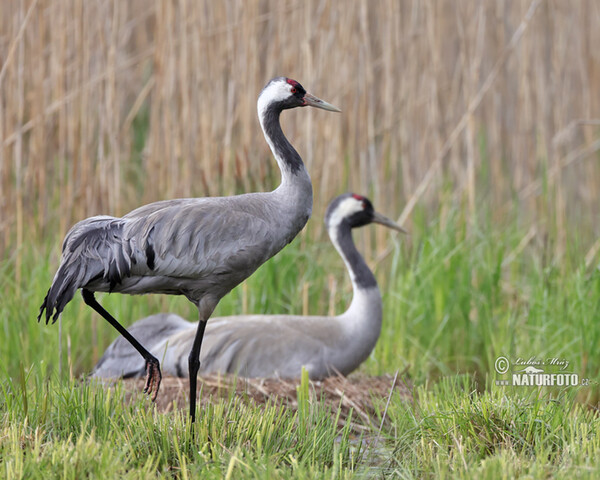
x,y
275,92
345,209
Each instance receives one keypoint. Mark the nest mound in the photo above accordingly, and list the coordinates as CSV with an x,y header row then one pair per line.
x,y
361,394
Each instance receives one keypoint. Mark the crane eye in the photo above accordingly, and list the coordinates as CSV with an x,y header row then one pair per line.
x,y
293,90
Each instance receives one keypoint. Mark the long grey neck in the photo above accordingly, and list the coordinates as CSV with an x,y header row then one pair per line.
x,y
361,322
292,168
360,274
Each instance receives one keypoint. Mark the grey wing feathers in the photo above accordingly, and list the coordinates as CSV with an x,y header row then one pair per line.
x,y
261,346
181,238
186,238
92,249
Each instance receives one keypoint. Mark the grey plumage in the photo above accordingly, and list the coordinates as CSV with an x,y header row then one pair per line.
x,y
273,345
122,360
197,247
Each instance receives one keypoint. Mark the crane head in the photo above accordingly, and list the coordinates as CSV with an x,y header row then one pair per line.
x,y
356,211
285,93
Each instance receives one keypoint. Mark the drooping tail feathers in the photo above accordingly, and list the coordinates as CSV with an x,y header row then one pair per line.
x,y
93,249
66,281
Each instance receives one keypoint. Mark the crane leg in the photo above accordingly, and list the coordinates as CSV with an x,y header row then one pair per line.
x,y
194,365
205,309
153,375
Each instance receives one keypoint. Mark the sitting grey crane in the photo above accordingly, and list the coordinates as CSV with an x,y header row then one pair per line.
x,y
273,345
197,247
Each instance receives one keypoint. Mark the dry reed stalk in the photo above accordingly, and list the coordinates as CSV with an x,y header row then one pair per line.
x,y
591,254
332,289
245,310
18,151
511,256
305,290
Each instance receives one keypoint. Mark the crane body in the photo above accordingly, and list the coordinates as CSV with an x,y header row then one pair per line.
x,y
197,247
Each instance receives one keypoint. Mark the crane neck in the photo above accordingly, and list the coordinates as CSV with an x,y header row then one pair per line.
x,y
289,161
362,320
360,273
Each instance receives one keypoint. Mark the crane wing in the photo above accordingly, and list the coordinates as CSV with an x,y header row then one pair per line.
x,y
196,239
185,246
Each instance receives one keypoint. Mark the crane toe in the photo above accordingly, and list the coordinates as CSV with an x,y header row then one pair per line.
x,y
153,378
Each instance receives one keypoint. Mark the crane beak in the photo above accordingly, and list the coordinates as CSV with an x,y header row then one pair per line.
x,y
312,101
382,220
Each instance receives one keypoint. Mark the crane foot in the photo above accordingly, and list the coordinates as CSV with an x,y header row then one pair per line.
x,y
153,378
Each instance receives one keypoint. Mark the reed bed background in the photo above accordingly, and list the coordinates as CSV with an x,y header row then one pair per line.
x,y
476,123
105,105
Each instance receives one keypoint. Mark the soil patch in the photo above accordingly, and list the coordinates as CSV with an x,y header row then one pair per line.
x,y
361,394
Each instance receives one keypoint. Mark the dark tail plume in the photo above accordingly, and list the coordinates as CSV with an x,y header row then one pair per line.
x,y
66,281
91,250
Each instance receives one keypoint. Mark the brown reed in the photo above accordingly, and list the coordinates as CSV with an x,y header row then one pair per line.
x,y
105,105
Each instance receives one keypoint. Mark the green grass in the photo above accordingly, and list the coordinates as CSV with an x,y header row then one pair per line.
x,y
74,430
456,296
454,431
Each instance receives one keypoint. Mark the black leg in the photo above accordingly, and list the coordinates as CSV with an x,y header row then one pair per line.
x,y
206,307
153,375
194,365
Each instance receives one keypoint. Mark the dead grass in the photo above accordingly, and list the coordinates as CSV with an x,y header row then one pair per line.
x,y
106,105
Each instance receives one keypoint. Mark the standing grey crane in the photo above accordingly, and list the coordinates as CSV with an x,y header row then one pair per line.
x,y
273,345
197,247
